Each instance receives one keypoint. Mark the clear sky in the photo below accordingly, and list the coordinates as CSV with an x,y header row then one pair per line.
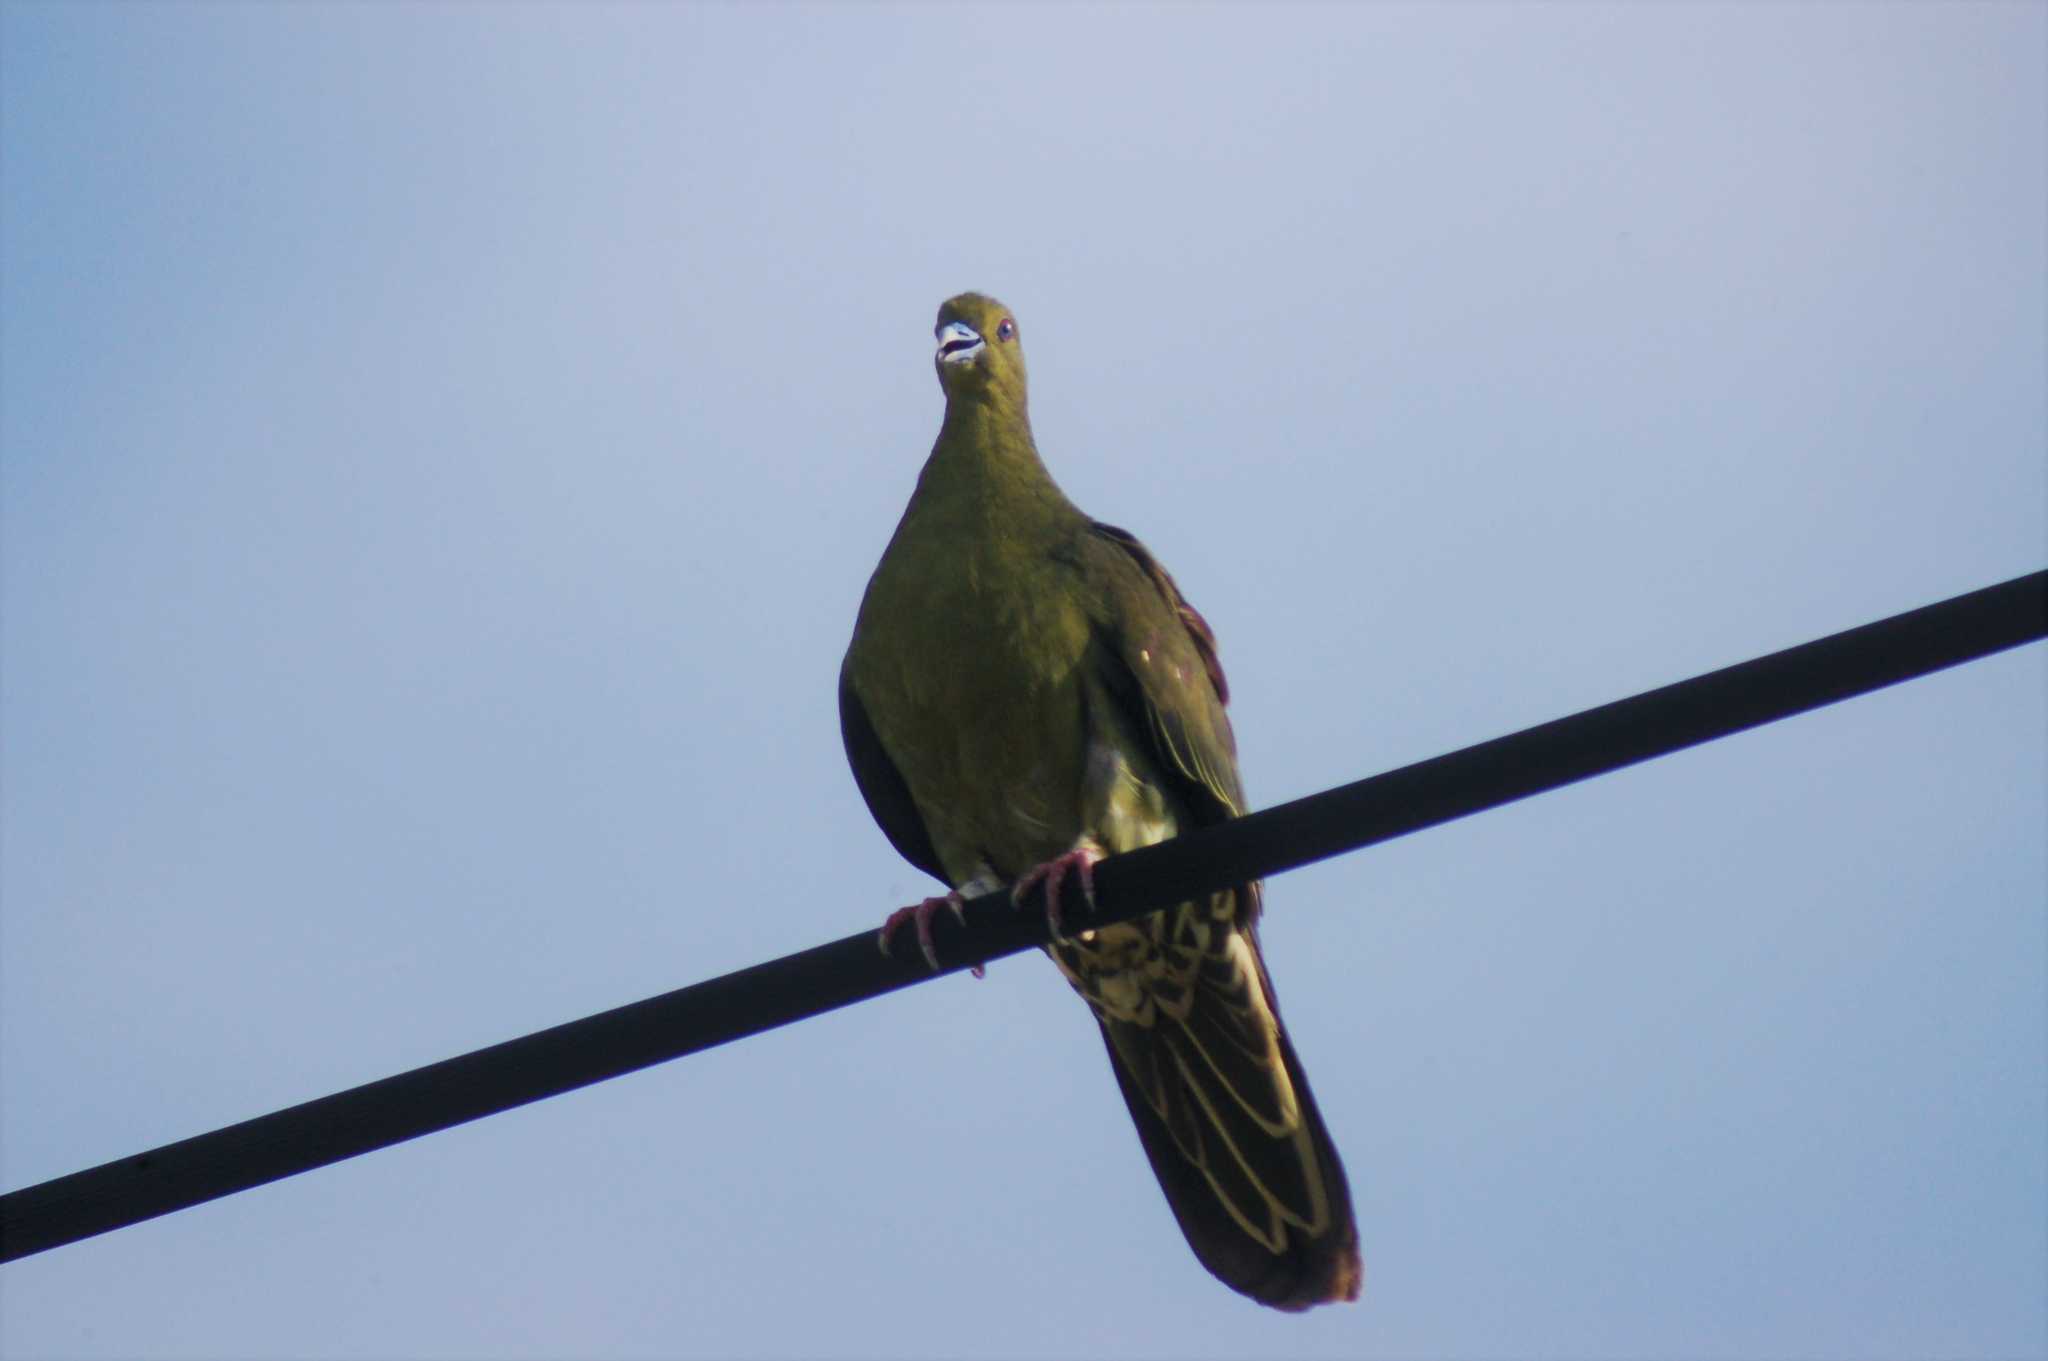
x,y
444,448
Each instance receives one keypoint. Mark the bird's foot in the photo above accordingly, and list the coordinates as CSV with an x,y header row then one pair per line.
x,y
1080,862
921,913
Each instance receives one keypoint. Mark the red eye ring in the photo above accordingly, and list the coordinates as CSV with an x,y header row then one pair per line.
x,y
1006,329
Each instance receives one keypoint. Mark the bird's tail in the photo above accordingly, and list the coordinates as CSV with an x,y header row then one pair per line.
x,y
1228,1122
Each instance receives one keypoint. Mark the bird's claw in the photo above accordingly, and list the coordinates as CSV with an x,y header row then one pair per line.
x,y
921,913
1080,862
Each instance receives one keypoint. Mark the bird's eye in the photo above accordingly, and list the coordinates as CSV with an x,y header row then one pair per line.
x,y
1006,329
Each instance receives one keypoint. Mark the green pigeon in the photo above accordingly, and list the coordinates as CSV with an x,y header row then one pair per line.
x,y
1026,693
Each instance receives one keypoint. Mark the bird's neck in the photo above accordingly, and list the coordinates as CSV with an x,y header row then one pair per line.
x,y
985,463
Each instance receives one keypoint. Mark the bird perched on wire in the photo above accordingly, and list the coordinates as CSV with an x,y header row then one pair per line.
x,y
1027,692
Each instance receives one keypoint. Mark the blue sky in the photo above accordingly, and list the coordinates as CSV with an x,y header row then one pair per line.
x,y
444,447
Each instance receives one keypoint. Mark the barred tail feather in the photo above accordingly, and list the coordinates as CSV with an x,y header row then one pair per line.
x,y
1227,1120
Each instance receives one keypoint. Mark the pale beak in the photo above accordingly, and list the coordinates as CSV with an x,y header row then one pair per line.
x,y
958,343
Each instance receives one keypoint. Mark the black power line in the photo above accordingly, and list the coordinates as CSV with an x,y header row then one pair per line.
x,y
611,1043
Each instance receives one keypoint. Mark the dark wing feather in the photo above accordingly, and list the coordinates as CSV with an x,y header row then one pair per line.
x,y
1168,677
882,785
1221,1103
1199,633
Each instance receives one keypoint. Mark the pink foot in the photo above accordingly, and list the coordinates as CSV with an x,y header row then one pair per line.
x,y
1081,862
921,913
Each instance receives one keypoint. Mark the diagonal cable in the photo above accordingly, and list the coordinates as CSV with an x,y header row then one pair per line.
x,y
609,1044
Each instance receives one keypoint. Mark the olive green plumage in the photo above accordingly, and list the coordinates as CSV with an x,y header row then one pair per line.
x,y
1024,682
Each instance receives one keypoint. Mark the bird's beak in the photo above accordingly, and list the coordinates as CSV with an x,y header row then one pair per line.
x,y
958,343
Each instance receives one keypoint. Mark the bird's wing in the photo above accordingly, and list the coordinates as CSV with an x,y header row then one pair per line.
x,y
1166,675
882,785
1187,1011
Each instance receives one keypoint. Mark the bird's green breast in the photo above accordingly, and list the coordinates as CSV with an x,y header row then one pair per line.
x,y
967,656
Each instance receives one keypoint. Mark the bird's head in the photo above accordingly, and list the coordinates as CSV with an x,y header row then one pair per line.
x,y
979,356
